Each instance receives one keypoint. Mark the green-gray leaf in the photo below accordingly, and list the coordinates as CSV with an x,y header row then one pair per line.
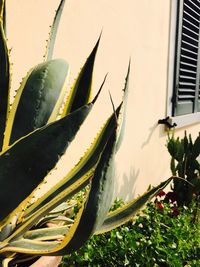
x,y
24,165
38,100
53,32
81,90
4,83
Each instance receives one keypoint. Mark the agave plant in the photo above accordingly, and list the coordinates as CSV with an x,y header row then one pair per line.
x,y
37,119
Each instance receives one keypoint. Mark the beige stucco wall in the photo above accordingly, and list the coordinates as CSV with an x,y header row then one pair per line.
x,y
131,28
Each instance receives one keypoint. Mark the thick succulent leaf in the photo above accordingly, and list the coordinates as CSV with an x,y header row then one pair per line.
x,y
54,219
1,8
64,196
74,181
124,214
98,202
18,259
90,216
6,231
3,14
29,160
81,90
4,83
53,32
6,261
29,246
82,171
33,219
122,115
48,233
63,207
38,99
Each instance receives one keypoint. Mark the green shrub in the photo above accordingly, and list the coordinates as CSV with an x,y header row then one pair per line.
x,y
162,236
185,164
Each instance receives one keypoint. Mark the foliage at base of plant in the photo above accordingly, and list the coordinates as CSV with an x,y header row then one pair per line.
x,y
159,237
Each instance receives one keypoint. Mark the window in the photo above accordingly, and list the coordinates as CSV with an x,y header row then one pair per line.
x,y
186,85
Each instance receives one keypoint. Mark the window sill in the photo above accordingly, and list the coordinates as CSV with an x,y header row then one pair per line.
x,y
185,120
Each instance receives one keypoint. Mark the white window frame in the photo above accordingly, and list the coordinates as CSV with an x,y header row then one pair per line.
x,y
182,120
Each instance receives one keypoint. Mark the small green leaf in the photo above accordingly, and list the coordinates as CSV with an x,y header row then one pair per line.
x,y
196,147
173,166
171,146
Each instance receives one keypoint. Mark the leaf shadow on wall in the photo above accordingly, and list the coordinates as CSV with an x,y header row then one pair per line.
x,y
151,131
125,187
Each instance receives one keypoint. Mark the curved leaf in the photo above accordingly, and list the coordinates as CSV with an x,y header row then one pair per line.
x,y
53,32
74,181
124,214
83,168
38,100
30,246
48,233
122,115
1,8
4,83
29,160
81,90
77,179
6,261
64,195
98,202
89,217
53,219
3,14
6,231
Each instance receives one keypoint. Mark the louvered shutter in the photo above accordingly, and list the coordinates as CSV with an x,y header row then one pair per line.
x,y
186,97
